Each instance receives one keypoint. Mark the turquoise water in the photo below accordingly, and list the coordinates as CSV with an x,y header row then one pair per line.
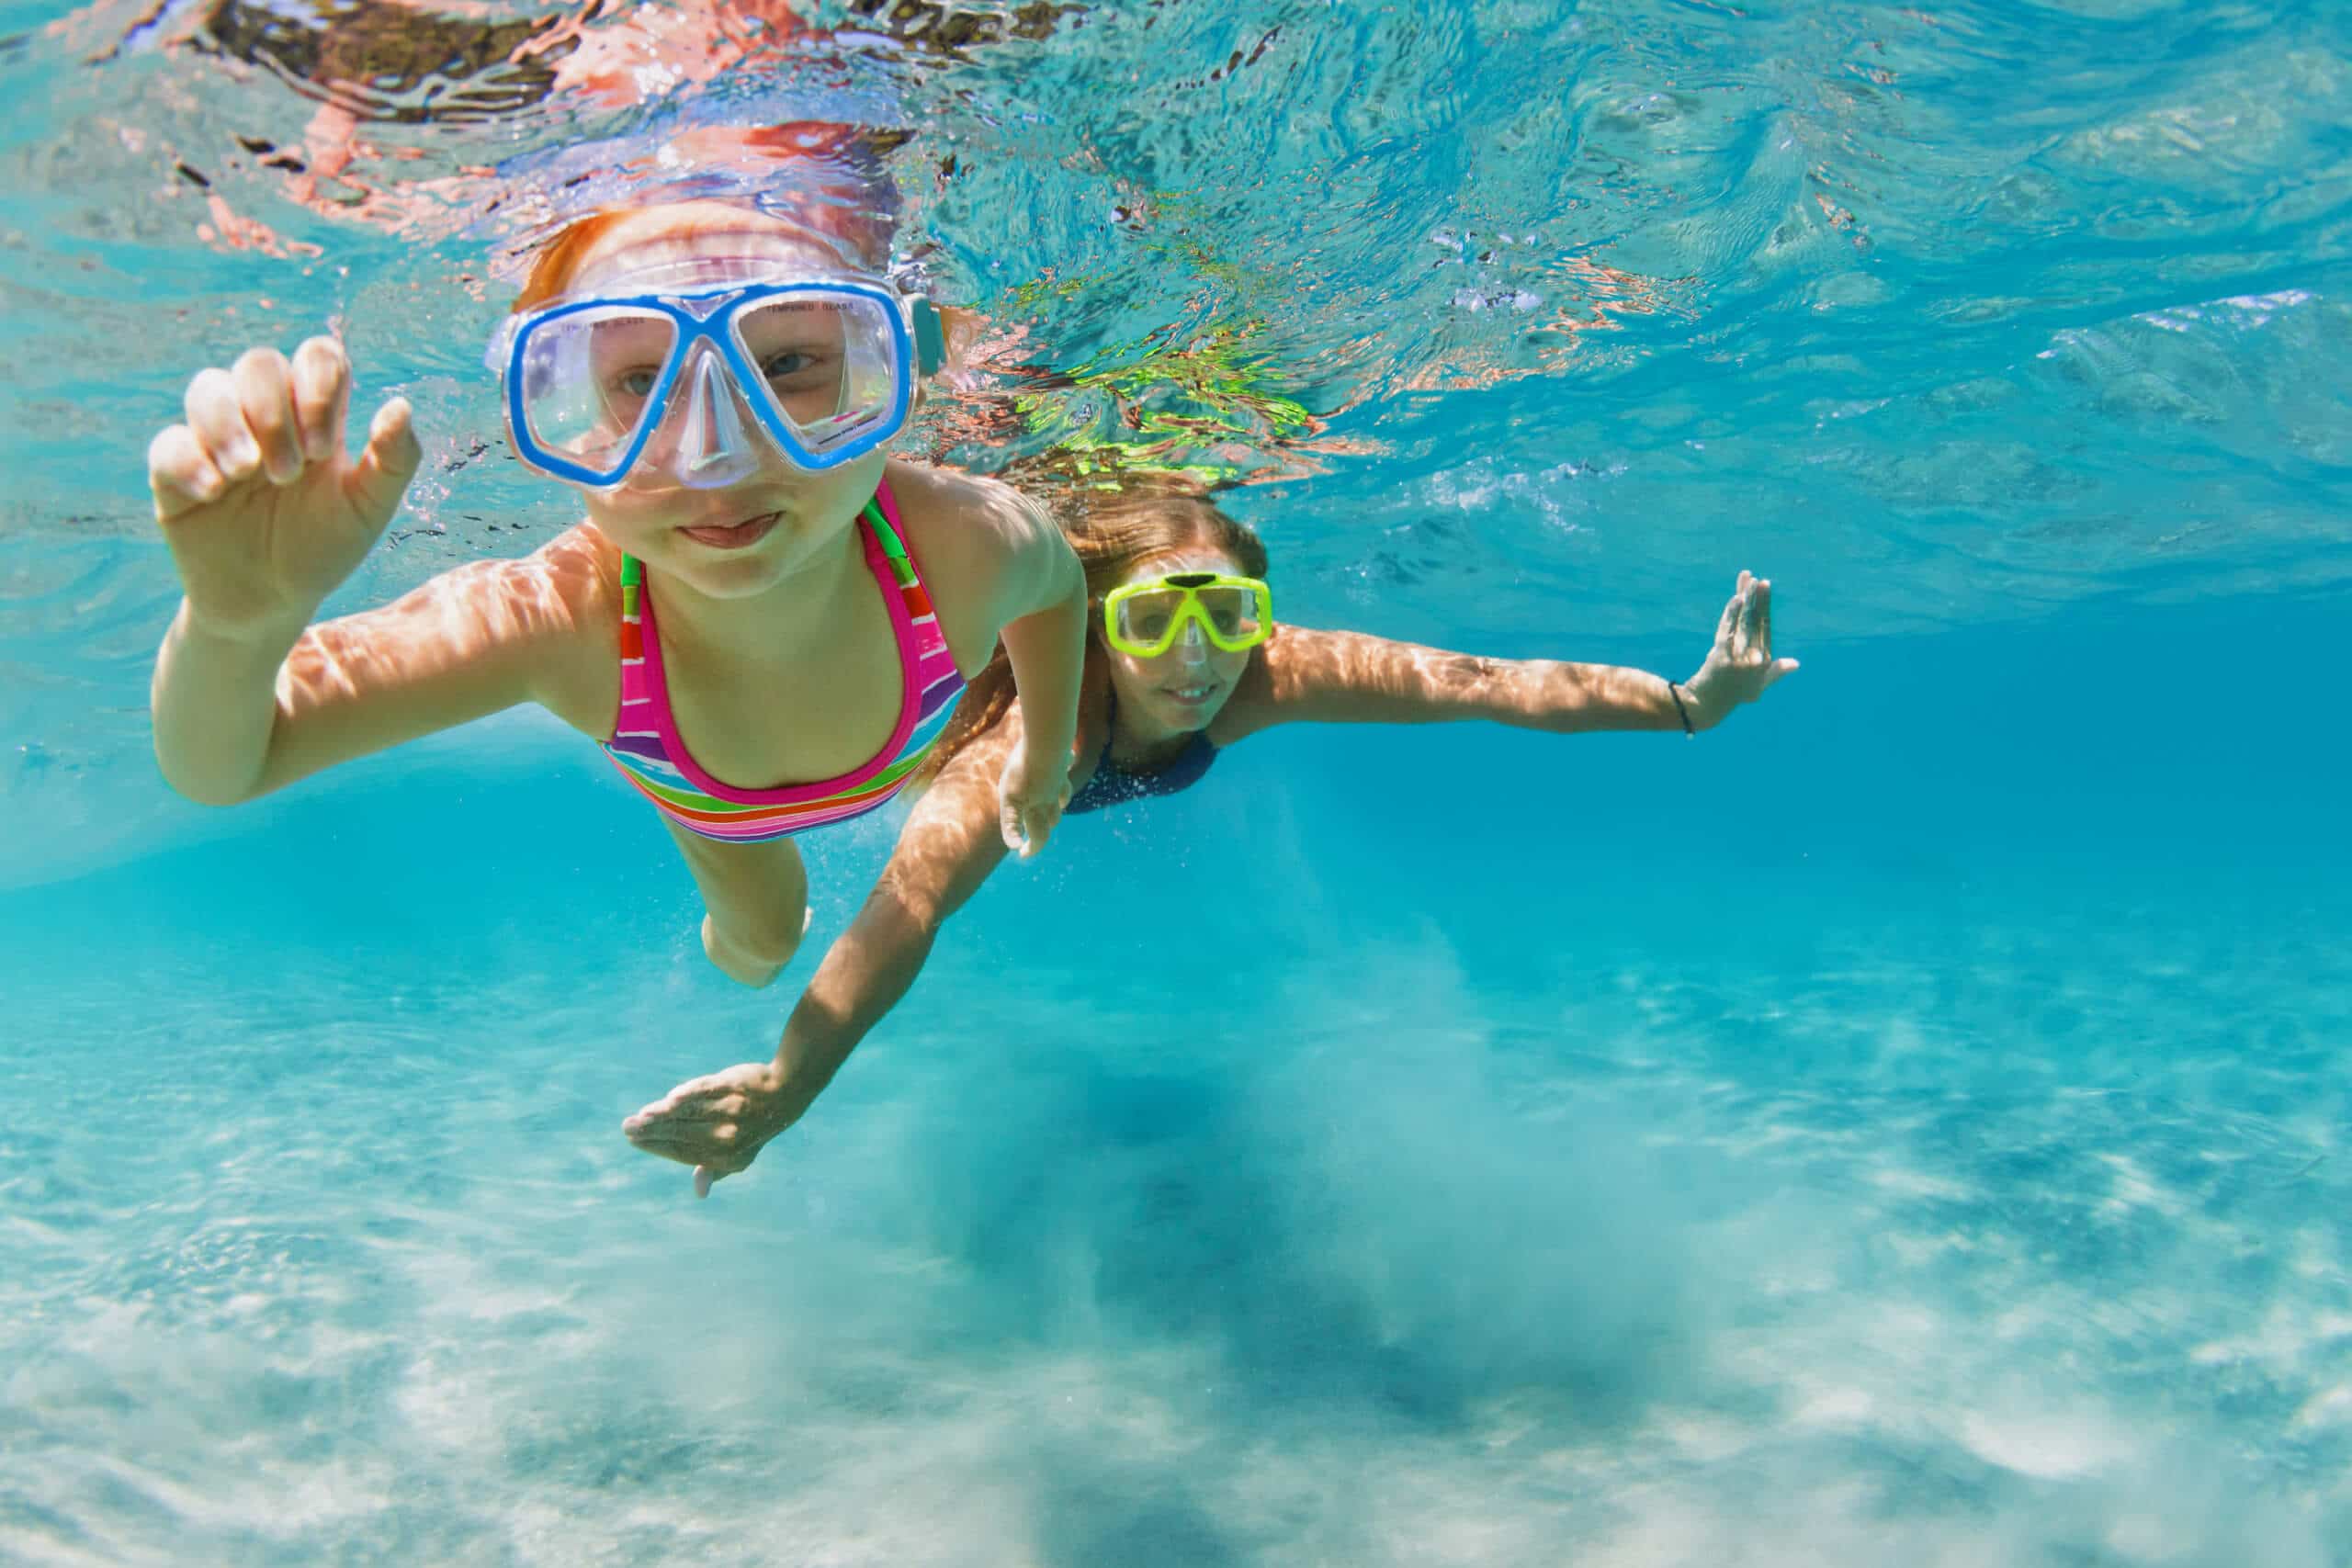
x,y
1903,1126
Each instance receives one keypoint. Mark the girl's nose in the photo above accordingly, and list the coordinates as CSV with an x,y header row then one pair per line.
x,y
704,442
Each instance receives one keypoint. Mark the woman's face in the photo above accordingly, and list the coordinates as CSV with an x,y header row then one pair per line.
x,y
745,536
1186,687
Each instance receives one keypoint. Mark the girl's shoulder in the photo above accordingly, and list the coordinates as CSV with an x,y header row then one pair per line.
x,y
583,569
976,541
970,519
565,597
570,585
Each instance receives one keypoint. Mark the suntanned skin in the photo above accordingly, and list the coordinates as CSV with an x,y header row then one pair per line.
x,y
720,1122
781,660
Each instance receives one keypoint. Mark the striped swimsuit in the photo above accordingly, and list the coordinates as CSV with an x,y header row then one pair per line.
x,y
646,748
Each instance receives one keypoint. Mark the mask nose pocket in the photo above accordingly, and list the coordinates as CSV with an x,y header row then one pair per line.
x,y
713,445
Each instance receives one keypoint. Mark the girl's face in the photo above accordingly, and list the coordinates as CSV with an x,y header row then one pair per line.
x,y
744,537
1187,686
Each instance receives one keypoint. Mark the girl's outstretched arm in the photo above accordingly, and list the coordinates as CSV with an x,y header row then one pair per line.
x,y
1043,610
720,1122
1348,678
265,514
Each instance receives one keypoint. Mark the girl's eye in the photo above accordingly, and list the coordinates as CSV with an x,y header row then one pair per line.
x,y
635,383
802,371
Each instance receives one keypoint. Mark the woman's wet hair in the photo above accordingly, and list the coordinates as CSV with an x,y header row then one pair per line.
x,y
1113,530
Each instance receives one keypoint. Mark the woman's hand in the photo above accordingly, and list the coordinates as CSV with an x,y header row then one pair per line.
x,y
1029,801
1740,667
263,510
718,1124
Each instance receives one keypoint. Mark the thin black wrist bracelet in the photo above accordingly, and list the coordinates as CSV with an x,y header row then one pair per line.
x,y
1677,695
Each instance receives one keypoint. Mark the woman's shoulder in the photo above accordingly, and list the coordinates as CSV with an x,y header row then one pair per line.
x,y
1271,678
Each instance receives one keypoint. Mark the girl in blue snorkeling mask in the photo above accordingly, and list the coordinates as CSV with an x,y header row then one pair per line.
x,y
765,619
1185,659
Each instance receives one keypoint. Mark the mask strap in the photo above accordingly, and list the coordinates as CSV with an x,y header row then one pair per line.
x,y
930,342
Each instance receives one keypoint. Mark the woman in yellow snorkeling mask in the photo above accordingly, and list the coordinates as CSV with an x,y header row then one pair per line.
x,y
1185,659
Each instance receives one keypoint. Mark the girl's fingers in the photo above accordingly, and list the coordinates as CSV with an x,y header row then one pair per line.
x,y
1762,597
179,473
322,396
380,477
1037,825
265,393
218,417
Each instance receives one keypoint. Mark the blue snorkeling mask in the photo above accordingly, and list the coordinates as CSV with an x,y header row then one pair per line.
x,y
686,366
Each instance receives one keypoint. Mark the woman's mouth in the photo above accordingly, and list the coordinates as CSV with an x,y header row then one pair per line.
x,y
1193,697
734,536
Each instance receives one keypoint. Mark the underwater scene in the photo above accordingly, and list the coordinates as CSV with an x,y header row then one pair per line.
x,y
1847,1072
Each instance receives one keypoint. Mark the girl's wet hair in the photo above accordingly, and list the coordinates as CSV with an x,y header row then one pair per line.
x,y
1113,531
557,261
831,180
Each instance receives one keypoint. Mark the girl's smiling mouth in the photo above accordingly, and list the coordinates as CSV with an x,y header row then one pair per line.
x,y
734,536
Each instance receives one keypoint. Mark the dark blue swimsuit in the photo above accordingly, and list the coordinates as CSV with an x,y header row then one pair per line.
x,y
1113,785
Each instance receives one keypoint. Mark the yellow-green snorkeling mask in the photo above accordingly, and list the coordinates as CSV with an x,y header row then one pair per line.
x,y
1146,618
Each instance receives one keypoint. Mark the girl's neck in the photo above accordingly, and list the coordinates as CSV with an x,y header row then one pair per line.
x,y
811,606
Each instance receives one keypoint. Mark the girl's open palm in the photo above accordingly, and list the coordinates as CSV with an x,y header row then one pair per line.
x,y
264,511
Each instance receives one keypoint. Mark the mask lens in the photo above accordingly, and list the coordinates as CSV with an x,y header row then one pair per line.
x,y
826,363
1233,615
1144,621
588,377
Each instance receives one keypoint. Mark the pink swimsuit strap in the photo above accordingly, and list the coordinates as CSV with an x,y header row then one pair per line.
x,y
647,749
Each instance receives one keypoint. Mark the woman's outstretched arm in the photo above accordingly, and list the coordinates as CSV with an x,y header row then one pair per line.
x,y
718,1124
1348,678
